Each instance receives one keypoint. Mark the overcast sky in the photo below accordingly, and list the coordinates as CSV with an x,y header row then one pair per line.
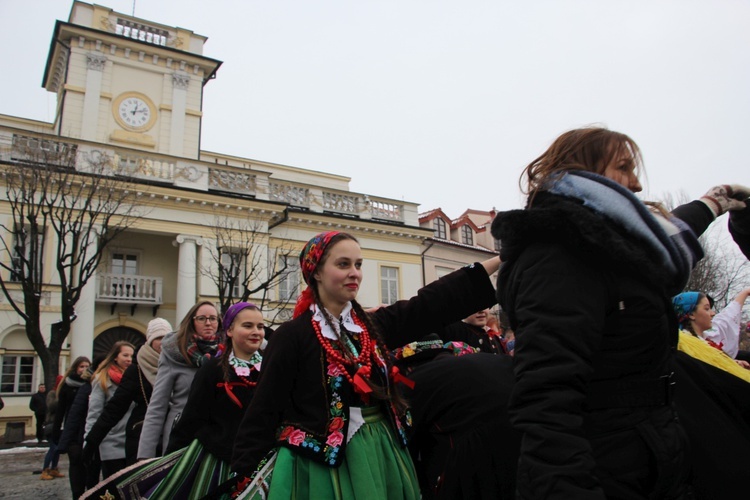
x,y
443,103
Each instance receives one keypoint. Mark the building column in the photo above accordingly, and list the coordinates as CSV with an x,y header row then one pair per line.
x,y
187,285
81,336
95,64
180,83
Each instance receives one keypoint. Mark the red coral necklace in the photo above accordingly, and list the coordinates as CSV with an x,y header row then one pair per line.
x,y
363,361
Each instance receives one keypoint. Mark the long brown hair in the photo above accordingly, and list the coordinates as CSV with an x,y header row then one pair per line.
x,y
390,392
186,330
73,370
588,148
103,370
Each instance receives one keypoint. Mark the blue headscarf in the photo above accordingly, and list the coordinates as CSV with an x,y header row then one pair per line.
x,y
684,304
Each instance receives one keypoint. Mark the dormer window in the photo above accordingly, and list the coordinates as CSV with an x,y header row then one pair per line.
x,y
467,236
438,225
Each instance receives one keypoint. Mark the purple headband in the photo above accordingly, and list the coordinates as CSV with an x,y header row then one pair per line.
x,y
233,311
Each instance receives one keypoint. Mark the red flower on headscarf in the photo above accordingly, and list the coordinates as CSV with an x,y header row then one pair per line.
x,y
309,258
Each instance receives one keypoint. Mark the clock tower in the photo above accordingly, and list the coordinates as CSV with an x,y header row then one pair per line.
x,y
128,82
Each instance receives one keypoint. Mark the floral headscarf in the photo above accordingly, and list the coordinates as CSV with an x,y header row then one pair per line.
x,y
309,258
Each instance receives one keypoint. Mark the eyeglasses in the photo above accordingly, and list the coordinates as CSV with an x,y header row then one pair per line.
x,y
206,319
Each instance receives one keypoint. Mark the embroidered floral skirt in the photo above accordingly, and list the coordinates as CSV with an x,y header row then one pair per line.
x,y
375,466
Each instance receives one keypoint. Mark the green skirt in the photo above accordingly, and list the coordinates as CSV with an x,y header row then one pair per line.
x,y
375,466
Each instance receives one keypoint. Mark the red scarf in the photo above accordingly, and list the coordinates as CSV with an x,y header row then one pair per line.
x,y
115,373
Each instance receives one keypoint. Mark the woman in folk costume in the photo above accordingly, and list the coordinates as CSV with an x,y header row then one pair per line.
x,y
588,273
106,380
713,402
182,353
325,416
221,392
200,445
700,325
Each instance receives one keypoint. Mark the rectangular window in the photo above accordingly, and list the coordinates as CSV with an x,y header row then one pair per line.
x,y
442,271
22,253
18,375
290,280
124,262
232,272
388,285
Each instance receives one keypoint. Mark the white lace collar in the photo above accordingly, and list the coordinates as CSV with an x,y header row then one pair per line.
x,y
346,318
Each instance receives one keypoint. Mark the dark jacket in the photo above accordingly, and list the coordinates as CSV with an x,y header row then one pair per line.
x,y
75,422
134,388
210,415
295,389
38,404
475,336
739,228
595,335
462,444
65,399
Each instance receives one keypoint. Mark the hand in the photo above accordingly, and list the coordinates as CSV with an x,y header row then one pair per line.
x,y
89,453
720,198
743,364
739,192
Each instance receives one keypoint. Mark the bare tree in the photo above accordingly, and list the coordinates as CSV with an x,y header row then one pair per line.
x,y
242,265
66,202
723,271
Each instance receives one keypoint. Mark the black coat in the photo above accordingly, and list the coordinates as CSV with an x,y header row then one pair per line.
x,y
739,228
134,388
75,421
64,402
210,414
595,335
463,444
38,404
292,389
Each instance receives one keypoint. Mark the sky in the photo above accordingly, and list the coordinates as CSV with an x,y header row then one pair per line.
x,y
443,103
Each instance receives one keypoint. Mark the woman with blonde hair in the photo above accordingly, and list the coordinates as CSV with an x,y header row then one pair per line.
x,y
104,383
182,353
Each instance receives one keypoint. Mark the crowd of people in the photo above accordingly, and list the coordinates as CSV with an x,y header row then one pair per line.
x,y
585,371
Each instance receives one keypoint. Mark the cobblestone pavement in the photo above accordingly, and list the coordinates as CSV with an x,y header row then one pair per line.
x,y
19,475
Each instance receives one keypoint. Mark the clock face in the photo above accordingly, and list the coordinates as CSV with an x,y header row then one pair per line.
x,y
134,112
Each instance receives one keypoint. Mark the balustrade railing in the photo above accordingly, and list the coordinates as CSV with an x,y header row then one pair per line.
x,y
129,288
341,203
233,182
297,196
192,174
387,211
145,168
